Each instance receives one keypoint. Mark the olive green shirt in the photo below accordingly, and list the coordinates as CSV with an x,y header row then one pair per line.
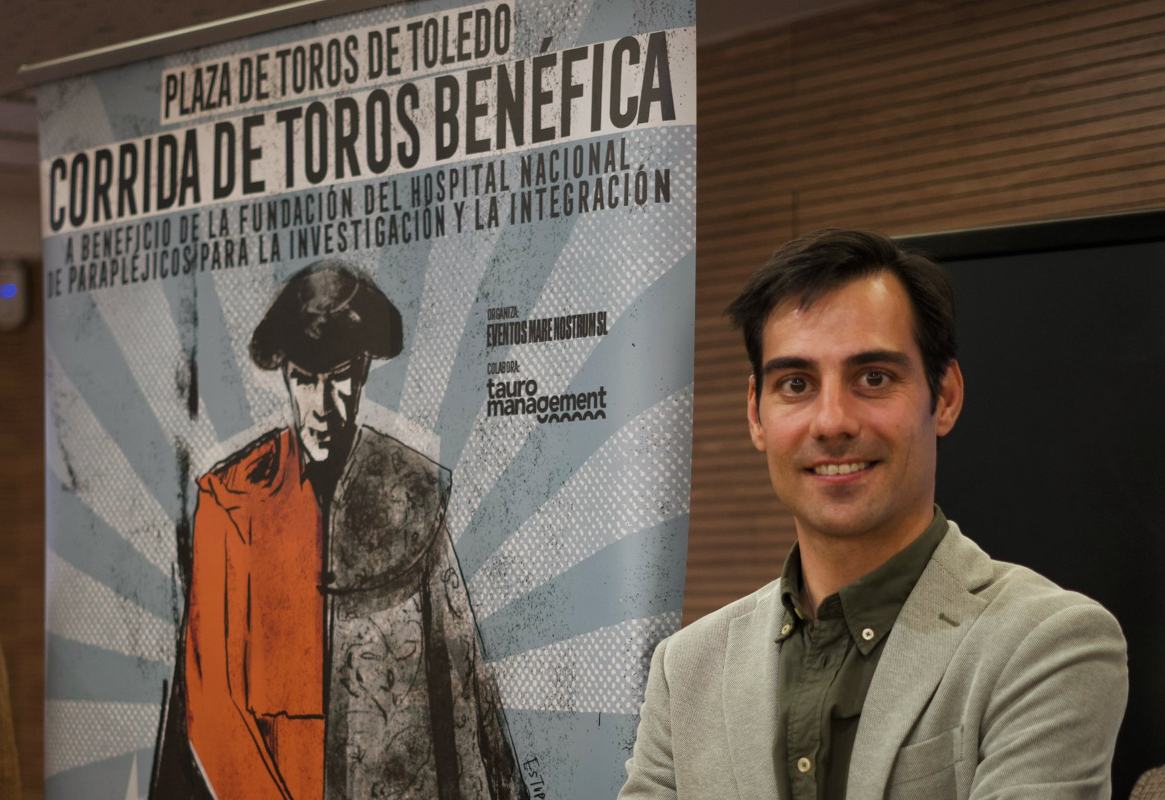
x,y
825,666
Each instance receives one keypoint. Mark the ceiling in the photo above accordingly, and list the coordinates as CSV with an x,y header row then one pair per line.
x,y
39,30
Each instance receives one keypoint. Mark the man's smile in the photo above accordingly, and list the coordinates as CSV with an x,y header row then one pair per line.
x,y
841,468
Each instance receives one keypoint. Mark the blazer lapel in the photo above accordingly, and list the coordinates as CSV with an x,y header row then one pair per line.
x,y
932,623
750,694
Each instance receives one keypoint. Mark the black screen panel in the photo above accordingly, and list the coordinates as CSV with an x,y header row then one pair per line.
x,y
1058,461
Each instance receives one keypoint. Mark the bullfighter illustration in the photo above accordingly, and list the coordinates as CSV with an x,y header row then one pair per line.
x,y
329,648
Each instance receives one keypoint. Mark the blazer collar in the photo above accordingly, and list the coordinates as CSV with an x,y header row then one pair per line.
x,y
928,631
750,693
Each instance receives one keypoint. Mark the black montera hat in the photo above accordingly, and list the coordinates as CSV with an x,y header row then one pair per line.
x,y
324,315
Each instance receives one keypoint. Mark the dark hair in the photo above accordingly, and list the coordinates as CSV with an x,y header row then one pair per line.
x,y
813,265
325,314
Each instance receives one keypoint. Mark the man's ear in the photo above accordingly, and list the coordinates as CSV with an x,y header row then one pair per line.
x,y
950,399
755,430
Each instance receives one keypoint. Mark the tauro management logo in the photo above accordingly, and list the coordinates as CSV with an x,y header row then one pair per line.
x,y
514,397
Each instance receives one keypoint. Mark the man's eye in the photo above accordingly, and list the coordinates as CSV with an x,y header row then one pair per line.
x,y
874,378
793,385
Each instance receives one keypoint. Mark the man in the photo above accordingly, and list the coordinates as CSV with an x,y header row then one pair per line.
x,y
893,658
330,648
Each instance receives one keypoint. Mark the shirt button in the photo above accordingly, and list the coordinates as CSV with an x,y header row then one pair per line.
x,y
868,634
788,626
804,765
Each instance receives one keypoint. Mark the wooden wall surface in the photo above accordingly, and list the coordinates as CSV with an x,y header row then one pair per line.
x,y
22,534
906,116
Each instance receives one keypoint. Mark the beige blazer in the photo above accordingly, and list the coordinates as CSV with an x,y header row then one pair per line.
x,y
994,683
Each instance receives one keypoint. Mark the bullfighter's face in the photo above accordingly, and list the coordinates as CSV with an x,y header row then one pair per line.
x,y
324,405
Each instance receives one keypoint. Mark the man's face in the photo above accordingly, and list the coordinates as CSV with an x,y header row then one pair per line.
x,y
324,404
844,413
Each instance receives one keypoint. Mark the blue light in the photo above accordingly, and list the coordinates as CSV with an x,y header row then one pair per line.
x,y
8,291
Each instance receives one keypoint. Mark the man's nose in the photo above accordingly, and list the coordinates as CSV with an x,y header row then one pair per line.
x,y
835,413
328,401
317,397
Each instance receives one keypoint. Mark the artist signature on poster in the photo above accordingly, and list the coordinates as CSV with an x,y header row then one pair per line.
x,y
534,781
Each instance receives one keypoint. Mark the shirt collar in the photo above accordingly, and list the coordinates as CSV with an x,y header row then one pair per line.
x,y
870,604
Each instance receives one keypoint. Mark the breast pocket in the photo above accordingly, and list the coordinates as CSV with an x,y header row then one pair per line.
x,y
926,770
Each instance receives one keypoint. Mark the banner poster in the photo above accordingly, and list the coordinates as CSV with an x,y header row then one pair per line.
x,y
369,394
